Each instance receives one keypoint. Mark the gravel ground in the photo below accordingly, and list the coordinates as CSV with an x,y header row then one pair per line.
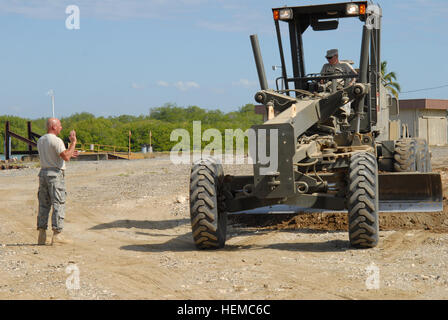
x,y
130,226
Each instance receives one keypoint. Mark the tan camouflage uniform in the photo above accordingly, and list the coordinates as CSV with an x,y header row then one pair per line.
x,y
52,191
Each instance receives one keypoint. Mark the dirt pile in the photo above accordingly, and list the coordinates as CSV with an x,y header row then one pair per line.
x,y
335,221
338,221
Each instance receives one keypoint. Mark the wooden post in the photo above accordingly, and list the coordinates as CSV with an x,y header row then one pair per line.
x,y
7,139
129,148
30,137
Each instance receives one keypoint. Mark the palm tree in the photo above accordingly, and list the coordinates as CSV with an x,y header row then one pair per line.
x,y
389,80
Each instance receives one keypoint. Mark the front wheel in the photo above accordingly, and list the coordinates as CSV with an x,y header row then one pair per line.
x,y
362,201
208,219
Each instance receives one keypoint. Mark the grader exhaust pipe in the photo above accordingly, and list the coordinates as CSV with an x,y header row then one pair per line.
x,y
259,62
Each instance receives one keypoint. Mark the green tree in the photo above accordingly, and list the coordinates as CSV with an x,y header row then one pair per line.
x,y
114,130
389,80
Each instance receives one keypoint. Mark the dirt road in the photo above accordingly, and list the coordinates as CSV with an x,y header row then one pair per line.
x,y
129,221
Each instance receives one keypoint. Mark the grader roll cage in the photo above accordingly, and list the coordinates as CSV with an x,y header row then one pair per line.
x,y
328,158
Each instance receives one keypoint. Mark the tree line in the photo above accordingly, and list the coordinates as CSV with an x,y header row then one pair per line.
x,y
114,130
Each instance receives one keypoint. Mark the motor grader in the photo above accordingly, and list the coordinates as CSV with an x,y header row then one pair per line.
x,y
332,141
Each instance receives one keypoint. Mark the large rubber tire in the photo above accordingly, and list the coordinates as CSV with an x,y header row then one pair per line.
x,y
362,201
405,155
208,219
412,155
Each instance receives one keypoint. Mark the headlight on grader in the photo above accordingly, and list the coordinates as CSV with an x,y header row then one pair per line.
x,y
283,14
352,9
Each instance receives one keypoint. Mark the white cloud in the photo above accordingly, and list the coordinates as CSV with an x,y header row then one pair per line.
x,y
180,85
161,83
184,86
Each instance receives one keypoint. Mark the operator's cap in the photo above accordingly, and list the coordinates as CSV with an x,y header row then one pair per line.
x,y
331,53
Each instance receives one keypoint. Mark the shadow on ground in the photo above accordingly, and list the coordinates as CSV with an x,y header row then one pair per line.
x,y
142,224
184,243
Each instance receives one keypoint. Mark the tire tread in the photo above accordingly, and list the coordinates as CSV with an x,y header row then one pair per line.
x,y
362,201
208,222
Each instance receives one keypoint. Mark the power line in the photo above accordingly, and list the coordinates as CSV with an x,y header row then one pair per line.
x,y
418,90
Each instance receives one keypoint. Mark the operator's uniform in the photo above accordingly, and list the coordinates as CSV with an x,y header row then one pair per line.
x,y
341,67
51,182
345,67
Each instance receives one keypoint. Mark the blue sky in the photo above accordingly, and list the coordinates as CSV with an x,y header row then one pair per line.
x,y
130,56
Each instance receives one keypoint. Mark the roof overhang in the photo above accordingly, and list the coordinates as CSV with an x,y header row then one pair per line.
x,y
429,104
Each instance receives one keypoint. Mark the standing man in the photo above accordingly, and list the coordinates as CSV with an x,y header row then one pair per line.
x,y
53,154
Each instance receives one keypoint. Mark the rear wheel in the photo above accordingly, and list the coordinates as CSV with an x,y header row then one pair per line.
x,y
405,155
412,155
208,218
362,201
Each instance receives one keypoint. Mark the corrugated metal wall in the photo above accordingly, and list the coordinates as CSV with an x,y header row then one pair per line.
x,y
408,116
427,124
436,126
433,129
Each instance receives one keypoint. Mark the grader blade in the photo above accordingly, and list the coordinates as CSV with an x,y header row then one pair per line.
x,y
410,192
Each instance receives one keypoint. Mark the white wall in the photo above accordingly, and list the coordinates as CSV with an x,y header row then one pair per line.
x,y
421,120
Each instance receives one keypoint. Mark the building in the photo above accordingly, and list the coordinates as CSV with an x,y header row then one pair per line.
x,y
425,118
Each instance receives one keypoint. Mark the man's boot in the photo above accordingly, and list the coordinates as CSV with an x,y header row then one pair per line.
x,y
58,238
42,238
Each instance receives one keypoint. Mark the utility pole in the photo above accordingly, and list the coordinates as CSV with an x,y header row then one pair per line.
x,y
51,94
